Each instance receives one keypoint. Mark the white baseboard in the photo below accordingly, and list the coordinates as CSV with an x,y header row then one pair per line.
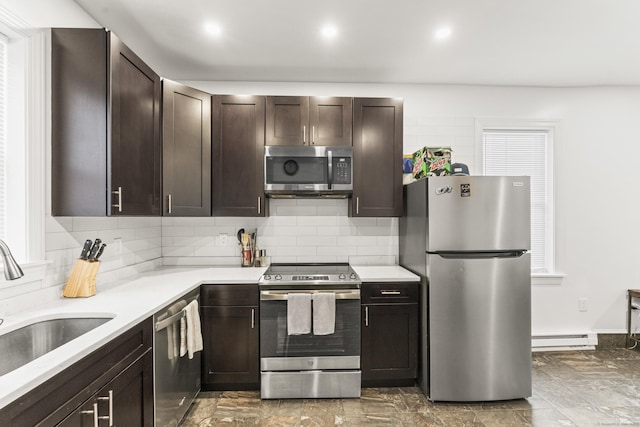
x,y
562,342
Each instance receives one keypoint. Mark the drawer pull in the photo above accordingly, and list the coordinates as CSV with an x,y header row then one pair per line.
x,y
109,399
94,414
390,292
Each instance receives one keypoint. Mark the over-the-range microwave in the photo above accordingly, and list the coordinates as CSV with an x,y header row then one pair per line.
x,y
307,171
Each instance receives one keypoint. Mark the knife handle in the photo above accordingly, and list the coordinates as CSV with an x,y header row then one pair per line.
x,y
94,249
104,245
85,249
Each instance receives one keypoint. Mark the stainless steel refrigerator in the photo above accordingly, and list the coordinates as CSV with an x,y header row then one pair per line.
x,y
468,238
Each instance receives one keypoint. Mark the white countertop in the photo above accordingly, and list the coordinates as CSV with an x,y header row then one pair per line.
x,y
387,273
128,303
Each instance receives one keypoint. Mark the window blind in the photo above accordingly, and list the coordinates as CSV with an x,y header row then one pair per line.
x,y
524,152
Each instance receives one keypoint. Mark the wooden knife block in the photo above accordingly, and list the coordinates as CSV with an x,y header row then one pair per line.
x,y
82,280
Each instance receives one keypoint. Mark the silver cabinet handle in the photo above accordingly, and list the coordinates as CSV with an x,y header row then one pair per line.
x,y
259,203
109,417
357,205
169,204
253,318
390,292
93,412
119,204
330,167
304,134
366,316
313,134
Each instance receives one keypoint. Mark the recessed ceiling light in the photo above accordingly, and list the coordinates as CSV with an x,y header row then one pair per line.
x,y
442,33
212,29
329,31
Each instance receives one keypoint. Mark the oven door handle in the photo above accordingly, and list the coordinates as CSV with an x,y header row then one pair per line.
x,y
278,295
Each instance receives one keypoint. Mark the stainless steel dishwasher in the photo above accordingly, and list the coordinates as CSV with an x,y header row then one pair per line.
x,y
176,379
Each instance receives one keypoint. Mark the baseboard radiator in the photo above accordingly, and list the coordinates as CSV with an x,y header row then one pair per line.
x,y
557,342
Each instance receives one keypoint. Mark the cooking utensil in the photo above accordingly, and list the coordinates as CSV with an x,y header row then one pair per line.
x,y
94,249
240,233
86,248
100,251
247,252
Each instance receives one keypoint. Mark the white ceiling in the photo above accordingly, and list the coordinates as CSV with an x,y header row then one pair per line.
x,y
493,42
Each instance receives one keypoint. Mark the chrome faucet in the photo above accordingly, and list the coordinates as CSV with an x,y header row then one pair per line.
x,y
12,270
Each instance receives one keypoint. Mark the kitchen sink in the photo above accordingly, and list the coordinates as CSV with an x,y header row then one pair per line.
x,y
23,345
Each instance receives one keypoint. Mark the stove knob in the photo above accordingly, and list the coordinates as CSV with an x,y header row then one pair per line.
x,y
353,276
267,277
342,276
278,277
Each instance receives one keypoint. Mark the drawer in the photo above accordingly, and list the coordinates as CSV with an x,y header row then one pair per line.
x,y
238,295
385,293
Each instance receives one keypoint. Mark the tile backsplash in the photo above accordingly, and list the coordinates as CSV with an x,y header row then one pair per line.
x,y
297,230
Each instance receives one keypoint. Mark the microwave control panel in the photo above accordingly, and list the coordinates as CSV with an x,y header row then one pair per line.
x,y
342,170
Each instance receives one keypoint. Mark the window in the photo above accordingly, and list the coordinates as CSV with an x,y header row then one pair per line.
x,y
527,150
3,97
23,129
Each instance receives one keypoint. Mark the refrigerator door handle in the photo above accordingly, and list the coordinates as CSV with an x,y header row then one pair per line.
x,y
480,255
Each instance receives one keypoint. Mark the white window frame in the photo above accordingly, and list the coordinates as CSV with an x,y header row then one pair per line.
x,y
553,128
28,130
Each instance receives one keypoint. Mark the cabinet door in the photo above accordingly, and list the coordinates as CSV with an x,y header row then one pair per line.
x,y
186,150
330,121
79,122
126,401
377,152
132,393
389,343
135,134
287,120
238,155
231,352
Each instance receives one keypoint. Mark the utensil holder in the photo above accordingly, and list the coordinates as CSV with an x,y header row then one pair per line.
x,y
82,280
247,257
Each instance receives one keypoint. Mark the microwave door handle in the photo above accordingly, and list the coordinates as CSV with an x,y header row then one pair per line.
x,y
330,167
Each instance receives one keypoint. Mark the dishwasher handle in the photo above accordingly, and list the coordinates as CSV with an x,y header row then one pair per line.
x,y
165,323
168,321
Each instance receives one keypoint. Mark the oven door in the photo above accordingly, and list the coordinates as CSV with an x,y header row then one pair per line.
x,y
280,351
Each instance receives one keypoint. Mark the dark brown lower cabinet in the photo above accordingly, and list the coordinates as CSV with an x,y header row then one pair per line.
x,y
116,379
231,355
126,401
389,334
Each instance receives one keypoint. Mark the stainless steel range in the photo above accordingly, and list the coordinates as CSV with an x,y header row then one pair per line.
x,y
310,331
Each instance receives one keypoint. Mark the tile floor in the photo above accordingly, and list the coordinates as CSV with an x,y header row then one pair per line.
x,y
579,388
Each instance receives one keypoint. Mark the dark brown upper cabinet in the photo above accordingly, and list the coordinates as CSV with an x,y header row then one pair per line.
x,y
238,155
186,150
302,120
377,152
105,138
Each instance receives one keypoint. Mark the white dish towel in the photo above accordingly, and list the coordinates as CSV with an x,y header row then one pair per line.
x,y
298,314
324,313
190,331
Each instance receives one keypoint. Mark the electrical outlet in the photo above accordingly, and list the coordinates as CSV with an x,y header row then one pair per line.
x,y
582,304
117,245
223,239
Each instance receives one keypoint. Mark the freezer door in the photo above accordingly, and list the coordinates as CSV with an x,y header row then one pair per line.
x,y
478,213
480,328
